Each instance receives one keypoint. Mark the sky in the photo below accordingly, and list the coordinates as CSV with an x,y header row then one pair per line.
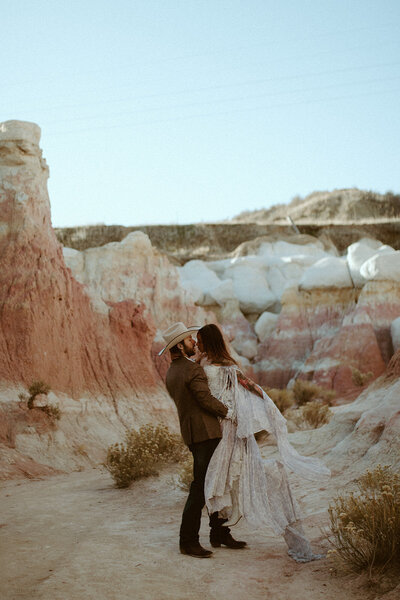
x,y
186,111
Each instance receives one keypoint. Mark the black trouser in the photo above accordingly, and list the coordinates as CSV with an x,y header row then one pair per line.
x,y
191,517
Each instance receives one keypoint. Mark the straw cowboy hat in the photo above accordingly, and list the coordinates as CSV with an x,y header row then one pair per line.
x,y
175,334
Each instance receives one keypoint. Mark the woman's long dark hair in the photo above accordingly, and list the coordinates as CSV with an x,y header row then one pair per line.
x,y
214,345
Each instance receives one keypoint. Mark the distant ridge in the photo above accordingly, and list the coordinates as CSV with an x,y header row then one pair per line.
x,y
338,206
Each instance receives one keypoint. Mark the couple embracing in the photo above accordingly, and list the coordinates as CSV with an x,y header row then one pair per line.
x,y
220,410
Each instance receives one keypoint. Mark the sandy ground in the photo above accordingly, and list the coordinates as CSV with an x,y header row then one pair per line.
x,y
77,537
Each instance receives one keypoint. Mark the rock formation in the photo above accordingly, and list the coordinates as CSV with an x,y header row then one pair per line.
x,y
328,317
49,329
97,359
88,321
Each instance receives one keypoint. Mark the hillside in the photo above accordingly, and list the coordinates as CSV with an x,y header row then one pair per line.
x,y
347,206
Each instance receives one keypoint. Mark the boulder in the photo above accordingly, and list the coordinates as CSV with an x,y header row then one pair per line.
x,y
195,275
382,266
250,288
265,325
330,272
357,254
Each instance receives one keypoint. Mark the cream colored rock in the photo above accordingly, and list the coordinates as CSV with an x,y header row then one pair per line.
x,y
382,266
265,325
327,272
204,285
23,177
367,430
80,438
251,288
357,254
134,269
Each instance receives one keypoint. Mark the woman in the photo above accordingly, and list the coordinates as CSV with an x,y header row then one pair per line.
x,y
239,483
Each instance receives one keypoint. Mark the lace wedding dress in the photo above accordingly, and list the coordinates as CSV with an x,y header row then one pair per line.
x,y
239,482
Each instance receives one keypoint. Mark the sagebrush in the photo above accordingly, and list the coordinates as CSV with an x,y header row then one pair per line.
x,y
365,524
283,399
310,415
36,388
307,391
142,453
360,379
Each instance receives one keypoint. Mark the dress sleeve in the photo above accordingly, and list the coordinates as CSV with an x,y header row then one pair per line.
x,y
198,386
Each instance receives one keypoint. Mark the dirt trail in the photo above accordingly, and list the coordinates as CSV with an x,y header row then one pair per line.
x,y
77,537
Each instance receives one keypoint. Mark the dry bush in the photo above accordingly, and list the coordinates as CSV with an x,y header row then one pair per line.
x,y
365,525
307,391
185,476
360,379
52,411
310,416
142,453
283,399
36,388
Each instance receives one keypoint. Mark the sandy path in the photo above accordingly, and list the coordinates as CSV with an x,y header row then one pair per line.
x,y
77,537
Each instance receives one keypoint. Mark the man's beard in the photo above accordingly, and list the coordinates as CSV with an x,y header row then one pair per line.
x,y
188,350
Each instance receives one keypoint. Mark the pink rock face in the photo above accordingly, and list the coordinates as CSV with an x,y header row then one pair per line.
x,y
48,329
325,336
381,301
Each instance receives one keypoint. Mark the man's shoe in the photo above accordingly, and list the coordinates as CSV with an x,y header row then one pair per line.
x,y
221,537
194,549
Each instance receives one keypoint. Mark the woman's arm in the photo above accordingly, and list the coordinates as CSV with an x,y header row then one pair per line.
x,y
249,384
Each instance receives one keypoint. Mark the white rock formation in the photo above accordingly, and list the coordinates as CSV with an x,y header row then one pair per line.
x,y
133,269
369,429
395,332
250,288
327,272
204,285
245,346
381,266
265,325
357,254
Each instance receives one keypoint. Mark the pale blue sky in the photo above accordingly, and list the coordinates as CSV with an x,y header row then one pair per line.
x,y
186,111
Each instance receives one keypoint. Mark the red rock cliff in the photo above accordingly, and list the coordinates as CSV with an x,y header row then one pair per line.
x,y
48,327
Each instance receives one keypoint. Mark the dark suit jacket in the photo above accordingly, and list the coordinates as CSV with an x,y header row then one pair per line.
x,y
197,408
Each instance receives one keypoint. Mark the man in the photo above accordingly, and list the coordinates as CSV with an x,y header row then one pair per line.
x,y
198,413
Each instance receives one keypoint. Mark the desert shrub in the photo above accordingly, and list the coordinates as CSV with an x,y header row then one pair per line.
x,y
360,379
142,453
310,415
307,391
36,388
185,476
365,524
52,411
283,399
